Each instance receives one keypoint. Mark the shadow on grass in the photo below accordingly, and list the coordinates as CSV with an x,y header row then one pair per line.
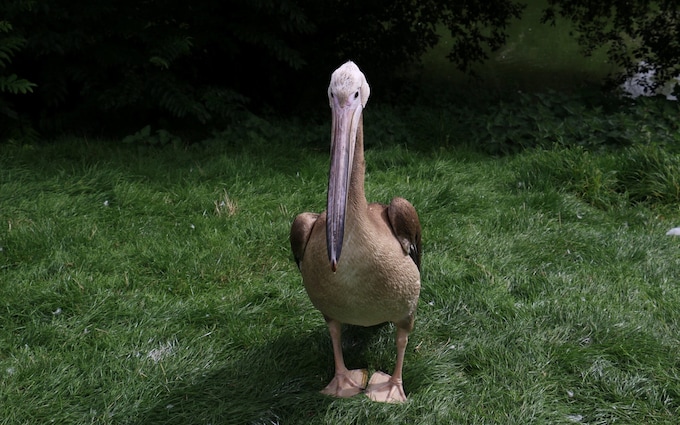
x,y
278,382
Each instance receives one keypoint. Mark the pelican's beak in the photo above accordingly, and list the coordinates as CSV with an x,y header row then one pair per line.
x,y
346,119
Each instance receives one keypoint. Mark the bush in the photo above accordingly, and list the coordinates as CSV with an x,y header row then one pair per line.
x,y
114,66
531,120
118,65
11,84
639,36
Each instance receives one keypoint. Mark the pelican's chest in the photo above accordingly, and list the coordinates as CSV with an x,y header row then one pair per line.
x,y
375,281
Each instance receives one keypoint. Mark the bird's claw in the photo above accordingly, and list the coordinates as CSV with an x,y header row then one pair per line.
x,y
347,384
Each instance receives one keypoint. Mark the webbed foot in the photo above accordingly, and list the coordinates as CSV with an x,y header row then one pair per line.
x,y
383,388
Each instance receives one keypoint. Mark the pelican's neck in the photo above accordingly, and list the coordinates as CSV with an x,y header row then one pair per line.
x,y
356,198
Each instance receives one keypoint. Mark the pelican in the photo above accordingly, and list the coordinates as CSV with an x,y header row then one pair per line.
x,y
377,277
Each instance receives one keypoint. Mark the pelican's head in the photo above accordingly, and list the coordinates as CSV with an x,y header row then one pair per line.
x,y
347,95
347,83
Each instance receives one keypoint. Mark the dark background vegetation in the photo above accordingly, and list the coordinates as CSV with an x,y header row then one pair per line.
x,y
111,67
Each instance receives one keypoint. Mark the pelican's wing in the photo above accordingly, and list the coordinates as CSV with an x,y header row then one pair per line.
x,y
406,227
299,234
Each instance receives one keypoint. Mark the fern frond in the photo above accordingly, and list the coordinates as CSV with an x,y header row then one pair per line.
x,y
170,50
9,45
5,26
223,103
178,98
15,85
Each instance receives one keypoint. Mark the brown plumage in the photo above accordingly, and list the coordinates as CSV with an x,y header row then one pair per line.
x,y
360,262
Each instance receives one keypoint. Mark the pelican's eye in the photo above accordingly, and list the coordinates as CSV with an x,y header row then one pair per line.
x,y
356,95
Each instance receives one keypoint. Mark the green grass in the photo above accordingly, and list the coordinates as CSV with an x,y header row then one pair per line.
x,y
143,285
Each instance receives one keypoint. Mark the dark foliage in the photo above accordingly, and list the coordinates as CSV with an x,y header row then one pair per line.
x,y
10,83
477,26
116,66
640,35
107,65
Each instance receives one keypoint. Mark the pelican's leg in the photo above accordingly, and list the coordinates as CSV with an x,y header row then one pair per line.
x,y
346,383
389,389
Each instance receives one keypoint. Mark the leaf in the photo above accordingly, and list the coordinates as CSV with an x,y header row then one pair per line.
x,y
160,62
15,85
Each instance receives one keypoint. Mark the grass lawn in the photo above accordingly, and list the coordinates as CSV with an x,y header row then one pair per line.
x,y
155,285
